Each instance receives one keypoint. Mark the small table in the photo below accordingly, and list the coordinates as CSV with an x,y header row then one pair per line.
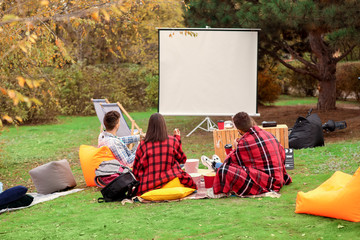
x,y
228,136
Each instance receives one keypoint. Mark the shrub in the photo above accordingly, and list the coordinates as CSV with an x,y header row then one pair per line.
x,y
268,87
347,82
46,111
124,83
68,91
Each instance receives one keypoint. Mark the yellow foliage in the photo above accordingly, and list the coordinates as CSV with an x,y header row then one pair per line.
x,y
23,48
16,101
106,15
19,119
7,118
11,93
3,90
21,81
31,39
36,101
10,17
116,10
29,83
44,3
95,16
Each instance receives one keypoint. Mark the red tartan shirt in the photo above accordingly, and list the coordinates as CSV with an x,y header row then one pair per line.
x,y
157,163
256,166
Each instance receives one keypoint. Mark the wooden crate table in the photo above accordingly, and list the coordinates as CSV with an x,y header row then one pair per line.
x,y
227,136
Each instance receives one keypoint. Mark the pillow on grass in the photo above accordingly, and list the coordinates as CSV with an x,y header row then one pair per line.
x,y
12,194
90,159
53,177
167,193
24,201
170,191
174,183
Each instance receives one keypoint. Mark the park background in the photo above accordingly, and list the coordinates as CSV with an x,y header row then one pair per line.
x,y
57,55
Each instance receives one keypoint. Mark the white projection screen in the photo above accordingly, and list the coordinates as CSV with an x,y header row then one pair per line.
x,y
207,72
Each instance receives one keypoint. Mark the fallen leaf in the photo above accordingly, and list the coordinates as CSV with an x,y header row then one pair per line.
x,y
340,226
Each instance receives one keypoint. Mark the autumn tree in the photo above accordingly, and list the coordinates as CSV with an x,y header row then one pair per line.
x,y
311,31
38,36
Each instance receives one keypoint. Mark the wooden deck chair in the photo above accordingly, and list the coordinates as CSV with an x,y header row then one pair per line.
x,y
99,111
102,106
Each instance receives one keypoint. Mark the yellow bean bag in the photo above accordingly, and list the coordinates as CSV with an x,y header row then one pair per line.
x,y
170,191
338,197
90,159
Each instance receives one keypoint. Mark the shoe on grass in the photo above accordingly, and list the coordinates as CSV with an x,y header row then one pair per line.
x,y
207,162
216,159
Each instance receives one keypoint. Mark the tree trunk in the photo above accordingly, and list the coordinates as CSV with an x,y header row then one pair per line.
x,y
327,95
326,67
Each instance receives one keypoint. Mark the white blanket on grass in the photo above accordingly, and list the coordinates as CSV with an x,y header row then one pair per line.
x,y
39,198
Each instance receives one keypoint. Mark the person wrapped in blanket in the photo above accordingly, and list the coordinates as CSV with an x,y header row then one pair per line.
x,y
158,158
255,166
118,145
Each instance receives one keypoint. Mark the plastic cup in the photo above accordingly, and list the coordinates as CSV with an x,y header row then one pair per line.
x,y
220,124
228,148
196,178
192,165
209,180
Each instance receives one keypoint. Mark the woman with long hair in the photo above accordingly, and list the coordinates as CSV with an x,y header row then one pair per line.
x,y
159,156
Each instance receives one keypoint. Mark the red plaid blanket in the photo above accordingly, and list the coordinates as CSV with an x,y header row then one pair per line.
x,y
256,166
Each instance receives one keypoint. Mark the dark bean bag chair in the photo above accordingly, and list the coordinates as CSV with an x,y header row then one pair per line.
x,y
307,133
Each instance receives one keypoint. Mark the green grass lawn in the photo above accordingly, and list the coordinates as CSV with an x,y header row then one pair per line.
x,y
286,100
80,216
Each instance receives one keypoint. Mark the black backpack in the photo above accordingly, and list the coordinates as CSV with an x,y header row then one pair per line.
x,y
125,186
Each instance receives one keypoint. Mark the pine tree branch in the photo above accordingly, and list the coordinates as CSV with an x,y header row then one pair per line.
x,y
295,69
338,59
297,56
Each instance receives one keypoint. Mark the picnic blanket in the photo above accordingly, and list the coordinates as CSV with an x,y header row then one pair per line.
x,y
39,198
203,193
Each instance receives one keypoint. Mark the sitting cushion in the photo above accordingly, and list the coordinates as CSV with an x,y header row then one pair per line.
x,y
90,159
167,193
52,177
174,183
12,194
23,201
171,191
338,197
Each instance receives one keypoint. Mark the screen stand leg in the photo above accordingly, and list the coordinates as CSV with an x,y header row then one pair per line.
x,y
211,126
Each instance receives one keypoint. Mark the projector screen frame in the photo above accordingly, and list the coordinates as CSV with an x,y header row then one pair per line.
x,y
210,29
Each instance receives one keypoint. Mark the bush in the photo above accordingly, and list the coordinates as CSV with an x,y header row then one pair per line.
x,y
29,112
68,91
126,83
269,89
347,83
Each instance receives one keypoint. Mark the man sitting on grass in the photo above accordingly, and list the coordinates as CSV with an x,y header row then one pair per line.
x,y
255,166
118,145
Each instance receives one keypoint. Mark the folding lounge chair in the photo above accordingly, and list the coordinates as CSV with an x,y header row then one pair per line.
x,y
99,111
102,106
